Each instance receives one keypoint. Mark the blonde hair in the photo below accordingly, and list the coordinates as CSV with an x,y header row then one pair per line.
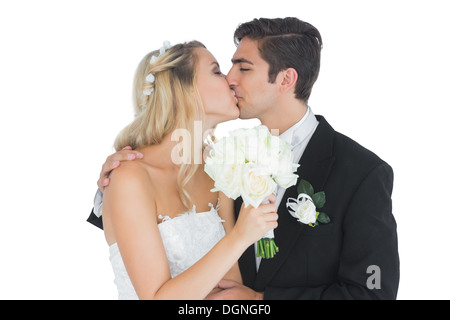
x,y
174,103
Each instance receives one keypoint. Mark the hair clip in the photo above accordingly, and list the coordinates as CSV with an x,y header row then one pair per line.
x,y
151,77
148,92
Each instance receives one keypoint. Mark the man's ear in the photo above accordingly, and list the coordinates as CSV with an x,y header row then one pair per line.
x,y
288,79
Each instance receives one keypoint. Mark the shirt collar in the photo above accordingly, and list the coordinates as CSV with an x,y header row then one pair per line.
x,y
288,135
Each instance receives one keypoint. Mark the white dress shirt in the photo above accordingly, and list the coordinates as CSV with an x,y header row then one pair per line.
x,y
298,137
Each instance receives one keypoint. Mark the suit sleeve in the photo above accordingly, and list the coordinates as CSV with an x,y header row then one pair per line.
x,y
96,221
96,214
369,261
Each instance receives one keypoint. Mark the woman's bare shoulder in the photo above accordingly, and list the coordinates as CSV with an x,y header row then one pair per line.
x,y
131,184
130,172
128,200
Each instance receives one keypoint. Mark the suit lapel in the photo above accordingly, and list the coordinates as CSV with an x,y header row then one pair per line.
x,y
315,166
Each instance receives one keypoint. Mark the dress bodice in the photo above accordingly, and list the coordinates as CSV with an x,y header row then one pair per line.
x,y
186,238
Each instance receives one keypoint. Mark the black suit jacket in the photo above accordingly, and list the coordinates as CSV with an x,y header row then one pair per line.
x,y
333,261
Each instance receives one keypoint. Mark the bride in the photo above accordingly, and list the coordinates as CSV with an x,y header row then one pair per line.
x,y
167,237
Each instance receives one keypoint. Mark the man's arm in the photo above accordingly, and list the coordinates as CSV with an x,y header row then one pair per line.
x,y
112,162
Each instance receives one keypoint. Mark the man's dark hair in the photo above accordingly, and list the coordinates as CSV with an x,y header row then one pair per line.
x,y
286,43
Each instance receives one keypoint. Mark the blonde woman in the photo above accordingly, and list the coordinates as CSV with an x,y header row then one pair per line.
x,y
166,235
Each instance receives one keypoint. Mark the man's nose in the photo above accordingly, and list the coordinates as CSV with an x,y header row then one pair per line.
x,y
231,79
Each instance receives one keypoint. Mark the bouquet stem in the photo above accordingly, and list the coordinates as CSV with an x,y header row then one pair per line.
x,y
266,248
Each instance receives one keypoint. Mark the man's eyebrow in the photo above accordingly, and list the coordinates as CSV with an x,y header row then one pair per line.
x,y
241,60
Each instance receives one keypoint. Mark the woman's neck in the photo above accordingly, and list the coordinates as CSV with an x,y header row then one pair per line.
x,y
176,148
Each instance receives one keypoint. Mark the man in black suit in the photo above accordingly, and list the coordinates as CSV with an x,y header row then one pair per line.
x,y
355,256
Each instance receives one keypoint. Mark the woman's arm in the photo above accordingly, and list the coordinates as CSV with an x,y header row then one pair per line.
x,y
226,212
129,205
131,210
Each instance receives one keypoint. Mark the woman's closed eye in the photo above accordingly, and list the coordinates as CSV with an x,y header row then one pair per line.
x,y
216,69
219,73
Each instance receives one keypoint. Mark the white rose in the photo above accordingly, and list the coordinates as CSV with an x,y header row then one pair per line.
x,y
266,150
227,150
282,164
254,185
226,178
286,180
253,141
303,209
210,167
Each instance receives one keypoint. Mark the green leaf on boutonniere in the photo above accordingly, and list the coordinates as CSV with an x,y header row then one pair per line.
x,y
319,199
305,187
323,218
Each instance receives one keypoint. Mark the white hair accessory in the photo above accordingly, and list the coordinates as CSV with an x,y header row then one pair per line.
x,y
148,92
153,59
166,46
151,77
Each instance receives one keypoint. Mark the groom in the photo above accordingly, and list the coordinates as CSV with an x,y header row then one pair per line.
x,y
355,256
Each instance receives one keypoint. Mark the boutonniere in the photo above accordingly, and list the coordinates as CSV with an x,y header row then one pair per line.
x,y
305,207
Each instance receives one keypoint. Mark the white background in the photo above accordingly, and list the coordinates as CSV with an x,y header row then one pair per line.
x,y
66,69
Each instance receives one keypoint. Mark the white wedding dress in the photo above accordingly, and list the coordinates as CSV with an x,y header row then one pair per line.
x,y
186,238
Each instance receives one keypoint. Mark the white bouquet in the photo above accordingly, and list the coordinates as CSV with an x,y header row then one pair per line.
x,y
251,163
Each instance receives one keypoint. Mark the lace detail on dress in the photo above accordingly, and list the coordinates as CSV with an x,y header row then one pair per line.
x,y
163,218
192,211
186,238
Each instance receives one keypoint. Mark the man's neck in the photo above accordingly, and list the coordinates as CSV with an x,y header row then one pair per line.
x,y
284,116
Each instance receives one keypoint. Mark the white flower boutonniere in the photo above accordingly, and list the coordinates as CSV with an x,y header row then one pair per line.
x,y
305,207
